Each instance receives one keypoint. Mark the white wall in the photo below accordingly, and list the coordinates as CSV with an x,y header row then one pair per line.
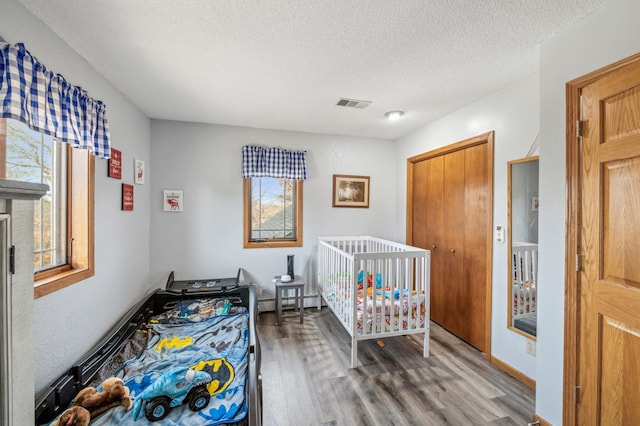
x,y
70,321
604,37
514,116
206,240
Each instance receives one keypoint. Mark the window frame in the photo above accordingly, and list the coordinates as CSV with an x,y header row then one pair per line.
x,y
80,227
59,189
272,243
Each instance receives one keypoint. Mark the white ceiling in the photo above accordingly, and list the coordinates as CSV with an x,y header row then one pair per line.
x,y
283,64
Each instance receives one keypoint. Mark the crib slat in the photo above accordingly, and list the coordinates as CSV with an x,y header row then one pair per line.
x,y
525,277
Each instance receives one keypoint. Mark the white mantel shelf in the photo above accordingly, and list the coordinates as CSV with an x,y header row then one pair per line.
x,y
18,190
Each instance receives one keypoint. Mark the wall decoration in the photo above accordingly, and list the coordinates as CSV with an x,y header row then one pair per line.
x,y
114,169
127,197
172,200
350,191
138,171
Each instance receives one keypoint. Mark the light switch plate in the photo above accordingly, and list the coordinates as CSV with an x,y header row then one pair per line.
x,y
531,347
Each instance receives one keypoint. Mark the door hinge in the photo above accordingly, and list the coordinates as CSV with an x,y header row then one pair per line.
x,y
576,391
579,128
12,259
579,260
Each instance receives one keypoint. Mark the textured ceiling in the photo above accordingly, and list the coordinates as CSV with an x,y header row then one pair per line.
x,y
283,64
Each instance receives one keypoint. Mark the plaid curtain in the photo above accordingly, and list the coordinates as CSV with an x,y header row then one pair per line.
x,y
45,102
273,162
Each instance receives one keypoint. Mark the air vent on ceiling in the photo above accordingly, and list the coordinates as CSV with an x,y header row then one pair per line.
x,y
353,103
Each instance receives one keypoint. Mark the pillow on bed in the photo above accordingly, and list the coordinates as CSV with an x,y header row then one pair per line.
x,y
197,310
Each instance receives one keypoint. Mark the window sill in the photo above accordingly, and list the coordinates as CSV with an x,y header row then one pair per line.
x,y
60,280
272,244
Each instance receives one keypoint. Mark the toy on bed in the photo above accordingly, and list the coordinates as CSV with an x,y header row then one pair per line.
x,y
174,388
90,402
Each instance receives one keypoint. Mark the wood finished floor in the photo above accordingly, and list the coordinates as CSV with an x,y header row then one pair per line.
x,y
306,379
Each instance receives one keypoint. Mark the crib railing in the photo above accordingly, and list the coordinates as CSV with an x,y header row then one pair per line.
x,y
387,268
335,278
524,266
376,288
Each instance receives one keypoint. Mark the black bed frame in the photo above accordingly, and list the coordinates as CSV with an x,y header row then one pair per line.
x,y
58,396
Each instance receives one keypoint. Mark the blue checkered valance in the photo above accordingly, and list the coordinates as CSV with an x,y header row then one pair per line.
x,y
258,161
48,104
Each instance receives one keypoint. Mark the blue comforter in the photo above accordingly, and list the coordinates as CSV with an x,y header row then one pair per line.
x,y
217,344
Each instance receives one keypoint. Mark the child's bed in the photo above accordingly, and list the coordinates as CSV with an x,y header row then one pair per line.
x,y
376,288
208,331
524,286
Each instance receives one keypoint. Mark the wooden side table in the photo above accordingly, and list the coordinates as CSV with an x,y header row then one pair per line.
x,y
282,292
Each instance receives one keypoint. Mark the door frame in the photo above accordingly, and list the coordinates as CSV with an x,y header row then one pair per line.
x,y
572,234
466,143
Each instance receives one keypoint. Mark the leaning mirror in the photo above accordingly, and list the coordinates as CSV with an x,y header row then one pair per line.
x,y
523,245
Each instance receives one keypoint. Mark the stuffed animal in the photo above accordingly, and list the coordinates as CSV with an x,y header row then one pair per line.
x,y
114,393
74,416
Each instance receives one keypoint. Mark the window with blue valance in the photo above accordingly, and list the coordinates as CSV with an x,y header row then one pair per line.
x,y
47,103
258,161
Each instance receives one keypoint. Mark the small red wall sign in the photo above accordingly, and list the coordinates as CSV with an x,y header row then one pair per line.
x,y
115,164
127,197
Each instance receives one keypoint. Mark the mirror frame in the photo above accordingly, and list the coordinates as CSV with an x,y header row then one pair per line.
x,y
510,325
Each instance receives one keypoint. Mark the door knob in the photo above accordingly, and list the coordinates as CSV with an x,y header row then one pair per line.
x,y
433,247
452,250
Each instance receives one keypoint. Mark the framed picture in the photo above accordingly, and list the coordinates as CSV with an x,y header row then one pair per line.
x,y
138,171
172,200
350,191
127,197
114,169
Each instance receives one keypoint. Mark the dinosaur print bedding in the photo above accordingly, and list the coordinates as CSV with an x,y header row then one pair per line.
x,y
197,345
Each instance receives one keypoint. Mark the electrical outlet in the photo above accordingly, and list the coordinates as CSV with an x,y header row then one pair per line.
x,y
531,347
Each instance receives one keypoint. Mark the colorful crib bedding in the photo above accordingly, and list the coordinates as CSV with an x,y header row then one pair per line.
x,y
401,308
207,335
524,299
409,308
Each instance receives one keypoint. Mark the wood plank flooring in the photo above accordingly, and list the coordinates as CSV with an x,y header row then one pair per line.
x,y
306,379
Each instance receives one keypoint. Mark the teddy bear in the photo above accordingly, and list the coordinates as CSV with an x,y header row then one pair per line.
x,y
114,393
90,403
73,416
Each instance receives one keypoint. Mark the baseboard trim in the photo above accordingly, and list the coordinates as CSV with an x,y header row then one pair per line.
x,y
513,372
543,422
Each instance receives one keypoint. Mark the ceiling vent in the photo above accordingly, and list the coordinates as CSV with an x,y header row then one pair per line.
x,y
353,103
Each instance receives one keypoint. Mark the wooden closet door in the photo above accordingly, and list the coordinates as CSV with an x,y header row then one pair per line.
x,y
427,226
453,281
420,206
449,212
433,232
476,245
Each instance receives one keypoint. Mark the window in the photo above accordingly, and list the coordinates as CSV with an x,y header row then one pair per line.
x,y
63,218
272,212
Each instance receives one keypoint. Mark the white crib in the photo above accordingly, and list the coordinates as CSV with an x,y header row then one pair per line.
x,y
524,262
376,288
